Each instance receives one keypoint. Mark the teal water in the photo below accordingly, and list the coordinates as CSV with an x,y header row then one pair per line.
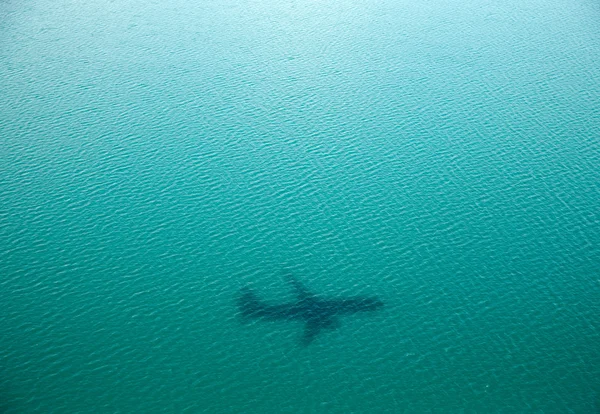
x,y
157,156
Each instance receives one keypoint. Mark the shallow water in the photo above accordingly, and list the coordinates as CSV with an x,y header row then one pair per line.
x,y
158,156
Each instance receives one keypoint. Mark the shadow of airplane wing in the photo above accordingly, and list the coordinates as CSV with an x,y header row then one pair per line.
x,y
311,330
300,290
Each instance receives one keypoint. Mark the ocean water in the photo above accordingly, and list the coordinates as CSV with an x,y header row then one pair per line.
x,y
157,156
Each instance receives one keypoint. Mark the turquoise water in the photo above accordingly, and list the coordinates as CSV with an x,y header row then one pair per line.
x,y
157,156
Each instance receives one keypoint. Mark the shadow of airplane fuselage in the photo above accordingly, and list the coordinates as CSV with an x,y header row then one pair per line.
x,y
317,313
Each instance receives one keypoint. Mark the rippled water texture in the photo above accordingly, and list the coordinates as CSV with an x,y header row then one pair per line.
x,y
158,156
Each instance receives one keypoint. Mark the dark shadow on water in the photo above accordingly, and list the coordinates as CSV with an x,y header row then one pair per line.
x,y
317,313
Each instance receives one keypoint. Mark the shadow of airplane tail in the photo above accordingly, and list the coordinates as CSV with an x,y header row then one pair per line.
x,y
249,304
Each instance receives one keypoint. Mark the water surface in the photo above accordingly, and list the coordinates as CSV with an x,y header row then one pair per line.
x,y
158,156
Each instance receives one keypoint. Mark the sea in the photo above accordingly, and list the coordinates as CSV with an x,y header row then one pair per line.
x,y
158,157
